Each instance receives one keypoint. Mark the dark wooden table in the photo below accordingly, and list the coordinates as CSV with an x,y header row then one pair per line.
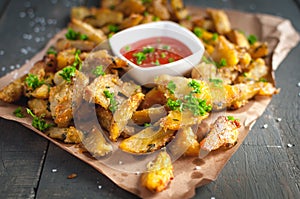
x,y
267,165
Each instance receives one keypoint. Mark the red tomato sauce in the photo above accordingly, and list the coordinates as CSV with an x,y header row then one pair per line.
x,y
155,51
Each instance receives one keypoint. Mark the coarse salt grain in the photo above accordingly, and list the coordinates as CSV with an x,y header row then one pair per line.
x,y
120,162
54,170
289,145
99,186
278,119
265,126
197,168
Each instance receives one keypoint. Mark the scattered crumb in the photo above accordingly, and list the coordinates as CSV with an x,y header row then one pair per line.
x,y
54,170
289,145
71,176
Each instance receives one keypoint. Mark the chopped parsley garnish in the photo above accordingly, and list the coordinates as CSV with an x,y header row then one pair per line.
x,y
113,105
146,1
98,71
33,81
157,63
174,104
262,79
171,87
245,74
72,35
163,55
156,18
196,105
252,39
148,49
171,59
207,61
51,50
166,47
77,62
195,85
230,118
127,48
198,32
18,112
38,122
146,14
140,57
147,124
216,82
215,36
113,28
222,63
67,73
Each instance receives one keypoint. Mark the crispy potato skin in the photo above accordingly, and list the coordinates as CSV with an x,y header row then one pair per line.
x,y
224,132
12,92
159,173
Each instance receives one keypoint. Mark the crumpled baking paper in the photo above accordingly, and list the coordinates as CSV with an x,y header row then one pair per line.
x,y
280,35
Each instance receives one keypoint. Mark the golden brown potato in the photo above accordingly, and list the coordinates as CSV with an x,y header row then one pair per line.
x,y
159,9
41,92
109,3
39,107
224,132
185,143
65,58
221,21
178,9
94,93
254,72
12,92
123,114
148,140
132,20
153,97
79,12
95,35
96,144
159,173
225,51
259,50
63,44
129,7
69,135
238,38
104,16
150,115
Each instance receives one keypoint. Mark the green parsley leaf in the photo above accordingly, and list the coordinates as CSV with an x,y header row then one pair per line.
x,y
231,118
195,85
51,50
195,105
128,48
171,87
156,18
198,32
38,122
215,36
77,62
148,49
113,104
83,37
157,63
245,74
67,73
113,28
252,39
98,71
166,47
163,55
222,63
18,112
147,124
262,79
171,59
146,1
207,61
140,57
33,81
174,104
72,35
216,82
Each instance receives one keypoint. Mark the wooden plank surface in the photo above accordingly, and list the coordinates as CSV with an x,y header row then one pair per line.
x,y
263,167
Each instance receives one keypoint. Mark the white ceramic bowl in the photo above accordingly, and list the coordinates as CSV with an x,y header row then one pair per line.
x,y
146,75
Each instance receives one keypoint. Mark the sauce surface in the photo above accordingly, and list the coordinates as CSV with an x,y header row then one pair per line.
x,y
155,51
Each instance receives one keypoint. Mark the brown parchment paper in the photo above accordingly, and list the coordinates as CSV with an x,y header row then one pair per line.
x,y
280,35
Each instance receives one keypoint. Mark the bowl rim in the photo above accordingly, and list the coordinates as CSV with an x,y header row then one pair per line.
x,y
155,25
